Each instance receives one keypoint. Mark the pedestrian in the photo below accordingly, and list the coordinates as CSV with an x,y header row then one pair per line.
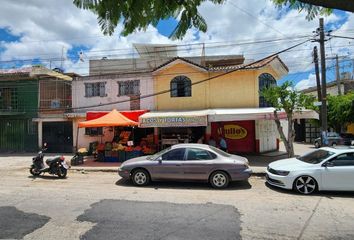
x,y
201,140
212,141
222,144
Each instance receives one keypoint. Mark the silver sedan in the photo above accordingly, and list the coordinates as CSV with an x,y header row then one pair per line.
x,y
187,162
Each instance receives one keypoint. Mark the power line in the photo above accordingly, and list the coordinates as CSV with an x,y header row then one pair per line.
x,y
198,82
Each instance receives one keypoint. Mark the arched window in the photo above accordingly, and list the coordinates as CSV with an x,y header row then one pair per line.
x,y
265,80
181,86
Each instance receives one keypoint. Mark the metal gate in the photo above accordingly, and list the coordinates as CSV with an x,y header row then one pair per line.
x,y
12,135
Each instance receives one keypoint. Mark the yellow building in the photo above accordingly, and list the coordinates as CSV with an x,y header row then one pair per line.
x,y
215,99
237,89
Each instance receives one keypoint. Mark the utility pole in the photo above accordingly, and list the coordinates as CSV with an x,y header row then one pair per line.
x,y
323,77
317,71
338,76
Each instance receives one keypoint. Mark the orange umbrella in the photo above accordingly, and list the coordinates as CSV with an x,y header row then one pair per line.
x,y
114,118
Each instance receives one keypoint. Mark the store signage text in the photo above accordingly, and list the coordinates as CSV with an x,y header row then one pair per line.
x,y
235,132
178,121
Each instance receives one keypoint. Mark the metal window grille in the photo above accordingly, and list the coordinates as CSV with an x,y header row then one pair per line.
x,y
128,88
181,86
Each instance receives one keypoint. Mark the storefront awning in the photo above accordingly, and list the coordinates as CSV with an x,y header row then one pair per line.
x,y
174,119
132,115
202,117
114,118
239,114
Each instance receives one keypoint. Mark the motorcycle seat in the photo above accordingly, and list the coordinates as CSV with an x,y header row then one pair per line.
x,y
49,161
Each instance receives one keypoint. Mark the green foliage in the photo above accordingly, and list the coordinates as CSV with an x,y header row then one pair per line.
x,y
139,14
340,110
284,97
312,10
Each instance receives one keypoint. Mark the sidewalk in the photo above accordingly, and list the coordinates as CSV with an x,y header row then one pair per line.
x,y
258,163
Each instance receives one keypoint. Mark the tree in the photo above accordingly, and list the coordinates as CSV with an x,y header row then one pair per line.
x,y
317,7
340,111
286,99
139,14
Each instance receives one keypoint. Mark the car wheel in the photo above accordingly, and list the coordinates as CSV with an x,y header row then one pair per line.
x,y
140,177
317,145
219,179
305,185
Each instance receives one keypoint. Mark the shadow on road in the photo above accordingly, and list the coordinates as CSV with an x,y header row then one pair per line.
x,y
327,194
241,185
51,177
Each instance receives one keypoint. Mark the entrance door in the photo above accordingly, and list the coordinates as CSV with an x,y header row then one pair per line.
x,y
58,136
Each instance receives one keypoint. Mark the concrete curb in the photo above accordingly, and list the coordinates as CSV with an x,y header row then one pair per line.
x,y
93,169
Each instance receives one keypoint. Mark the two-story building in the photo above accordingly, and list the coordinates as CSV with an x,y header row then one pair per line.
x,y
221,99
124,84
32,100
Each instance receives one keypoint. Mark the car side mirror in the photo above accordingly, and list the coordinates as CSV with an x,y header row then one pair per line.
x,y
328,164
159,159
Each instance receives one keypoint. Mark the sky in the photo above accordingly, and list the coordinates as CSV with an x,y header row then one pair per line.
x,y
57,34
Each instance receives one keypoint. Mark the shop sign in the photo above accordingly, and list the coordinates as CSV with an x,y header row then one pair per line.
x,y
173,121
234,132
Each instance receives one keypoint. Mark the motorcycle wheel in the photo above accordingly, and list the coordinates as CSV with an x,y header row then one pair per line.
x,y
34,171
62,172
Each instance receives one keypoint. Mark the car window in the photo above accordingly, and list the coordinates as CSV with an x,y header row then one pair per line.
x,y
315,157
174,154
346,159
222,153
199,154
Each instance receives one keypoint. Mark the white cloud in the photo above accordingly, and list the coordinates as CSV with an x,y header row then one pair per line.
x,y
48,26
310,81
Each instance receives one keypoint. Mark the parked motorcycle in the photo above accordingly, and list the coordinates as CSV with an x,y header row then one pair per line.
x,y
56,165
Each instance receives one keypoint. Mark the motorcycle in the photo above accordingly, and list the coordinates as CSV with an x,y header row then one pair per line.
x,y
55,166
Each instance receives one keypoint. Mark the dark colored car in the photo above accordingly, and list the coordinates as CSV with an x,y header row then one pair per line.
x,y
348,138
187,162
334,139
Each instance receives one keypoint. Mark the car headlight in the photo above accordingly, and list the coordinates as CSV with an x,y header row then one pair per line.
x,y
283,173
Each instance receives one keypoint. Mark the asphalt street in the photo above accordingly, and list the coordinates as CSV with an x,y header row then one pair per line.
x,y
99,205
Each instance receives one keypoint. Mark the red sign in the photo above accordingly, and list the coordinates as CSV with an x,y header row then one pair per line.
x,y
239,135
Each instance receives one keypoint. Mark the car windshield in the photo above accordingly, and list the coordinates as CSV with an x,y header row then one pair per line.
x,y
151,157
218,151
316,157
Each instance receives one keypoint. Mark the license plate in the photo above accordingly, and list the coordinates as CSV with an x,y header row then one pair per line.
x,y
65,165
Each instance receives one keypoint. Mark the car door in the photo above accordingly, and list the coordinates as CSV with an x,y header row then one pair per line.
x,y
198,164
338,173
169,165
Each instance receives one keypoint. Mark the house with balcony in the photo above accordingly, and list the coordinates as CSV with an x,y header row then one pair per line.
x,y
33,101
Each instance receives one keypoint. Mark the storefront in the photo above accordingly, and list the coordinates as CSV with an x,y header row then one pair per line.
x,y
245,130
126,140
176,127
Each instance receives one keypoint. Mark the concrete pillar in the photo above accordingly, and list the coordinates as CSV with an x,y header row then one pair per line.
x,y
40,134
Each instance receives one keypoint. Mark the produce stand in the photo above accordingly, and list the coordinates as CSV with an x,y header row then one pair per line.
x,y
121,148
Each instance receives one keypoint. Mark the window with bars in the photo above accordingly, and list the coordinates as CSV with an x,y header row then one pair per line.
x,y
129,88
181,86
265,80
97,89
8,99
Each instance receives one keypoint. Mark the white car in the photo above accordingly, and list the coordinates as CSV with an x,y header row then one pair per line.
x,y
328,168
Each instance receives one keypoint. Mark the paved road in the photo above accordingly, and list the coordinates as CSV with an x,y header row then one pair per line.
x,y
102,206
